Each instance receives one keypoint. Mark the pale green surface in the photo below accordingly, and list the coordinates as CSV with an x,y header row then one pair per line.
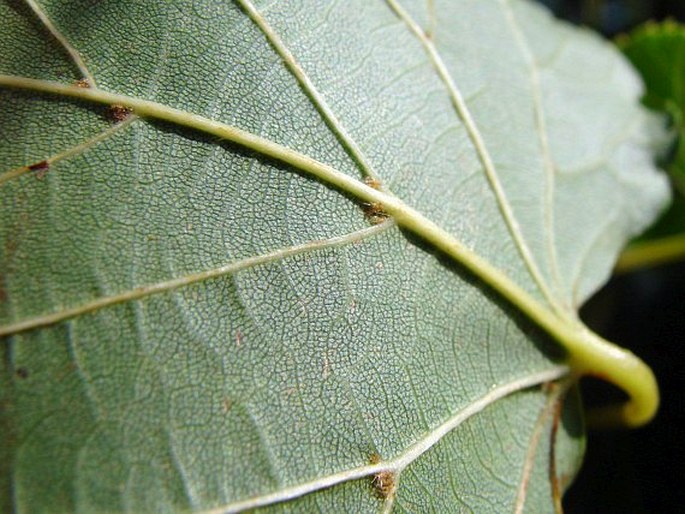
x,y
283,373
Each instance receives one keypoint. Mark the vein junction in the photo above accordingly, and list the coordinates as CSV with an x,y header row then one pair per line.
x,y
397,464
588,353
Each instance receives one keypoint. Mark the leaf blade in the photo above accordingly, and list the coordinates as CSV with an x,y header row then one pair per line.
x,y
202,396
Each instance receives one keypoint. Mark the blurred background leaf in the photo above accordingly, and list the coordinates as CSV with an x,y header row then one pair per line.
x,y
657,50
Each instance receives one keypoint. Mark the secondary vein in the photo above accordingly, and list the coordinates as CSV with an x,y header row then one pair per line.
x,y
588,353
63,41
316,97
481,150
69,152
192,278
401,461
541,124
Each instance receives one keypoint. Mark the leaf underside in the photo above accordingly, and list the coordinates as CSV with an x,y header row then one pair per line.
x,y
231,391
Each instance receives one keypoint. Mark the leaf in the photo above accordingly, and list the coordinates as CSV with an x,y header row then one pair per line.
x,y
196,318
657,50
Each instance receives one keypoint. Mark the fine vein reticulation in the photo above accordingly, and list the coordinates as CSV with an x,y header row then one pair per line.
x,y
193,278
401,461
482,151
587,352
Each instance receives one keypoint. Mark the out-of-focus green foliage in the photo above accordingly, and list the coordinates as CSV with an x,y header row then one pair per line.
x,y
657,50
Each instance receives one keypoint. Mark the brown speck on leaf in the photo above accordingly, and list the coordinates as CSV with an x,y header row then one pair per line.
x,y
238,338
22,373
227,404
372,182
83,83
41,168
375,213
384,481
118,113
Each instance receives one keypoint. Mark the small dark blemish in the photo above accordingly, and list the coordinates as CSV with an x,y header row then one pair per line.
x,y
41,168
384,481
372,182
118,113
22,373
375,213
83,83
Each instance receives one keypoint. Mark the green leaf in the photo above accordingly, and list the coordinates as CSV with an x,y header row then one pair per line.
x,y
198,311
657,50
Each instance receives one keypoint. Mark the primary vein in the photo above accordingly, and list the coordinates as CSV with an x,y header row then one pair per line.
x,y
588,353
481,150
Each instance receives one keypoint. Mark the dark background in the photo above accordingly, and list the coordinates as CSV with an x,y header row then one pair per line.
x,y
639,471
615,16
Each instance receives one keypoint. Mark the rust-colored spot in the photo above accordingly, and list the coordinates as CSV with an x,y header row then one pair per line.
x,y
83,83
22,373
118,113
375,212
41,168
42,165
384,481
372,182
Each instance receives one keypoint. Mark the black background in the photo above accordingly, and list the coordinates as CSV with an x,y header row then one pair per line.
x,y
639,471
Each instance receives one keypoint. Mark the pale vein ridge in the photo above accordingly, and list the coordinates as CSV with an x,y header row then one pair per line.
x,y
69,152
306,83
541,124
481,150
59,37
588,353
192,278
405,458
